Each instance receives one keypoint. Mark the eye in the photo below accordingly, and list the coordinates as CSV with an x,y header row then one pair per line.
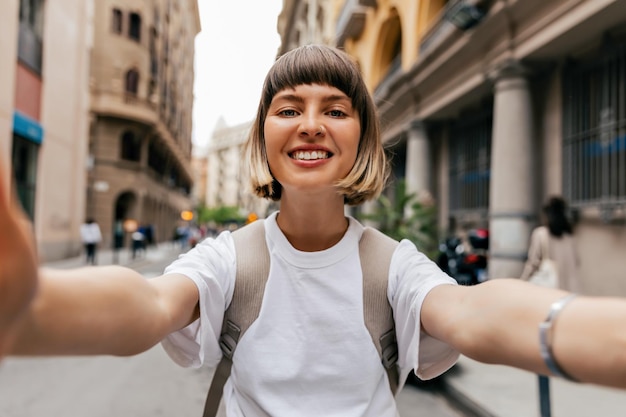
x,y
336,113
288,113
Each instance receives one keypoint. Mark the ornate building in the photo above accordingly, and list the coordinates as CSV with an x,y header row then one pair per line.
x,y
141,89
491,106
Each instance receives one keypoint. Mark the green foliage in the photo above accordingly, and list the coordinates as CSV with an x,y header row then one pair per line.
x,y
220,215
405,217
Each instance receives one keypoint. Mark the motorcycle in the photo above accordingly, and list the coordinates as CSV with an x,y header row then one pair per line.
x,y
466,266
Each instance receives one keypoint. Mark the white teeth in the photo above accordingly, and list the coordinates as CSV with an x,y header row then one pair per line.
x,y
306,155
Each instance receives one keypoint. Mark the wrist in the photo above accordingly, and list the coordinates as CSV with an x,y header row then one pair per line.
x,y
546,330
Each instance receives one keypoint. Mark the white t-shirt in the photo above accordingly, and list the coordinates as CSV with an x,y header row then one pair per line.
x,y
309,352
90,233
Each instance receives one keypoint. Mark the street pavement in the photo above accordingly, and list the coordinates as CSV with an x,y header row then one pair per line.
x,y
481,389
502,391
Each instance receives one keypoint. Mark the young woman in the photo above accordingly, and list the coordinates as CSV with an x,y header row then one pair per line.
x,y
554,240
315,146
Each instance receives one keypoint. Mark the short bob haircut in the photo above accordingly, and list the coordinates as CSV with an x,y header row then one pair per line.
x,y
325,65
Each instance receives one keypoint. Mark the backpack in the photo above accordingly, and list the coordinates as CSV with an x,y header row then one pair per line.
x,y
253,263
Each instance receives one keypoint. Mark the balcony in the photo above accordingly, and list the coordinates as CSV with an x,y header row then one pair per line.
x,y
352,19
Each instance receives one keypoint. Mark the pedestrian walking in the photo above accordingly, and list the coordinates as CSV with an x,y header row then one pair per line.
x,y
314,147
91,236
552,242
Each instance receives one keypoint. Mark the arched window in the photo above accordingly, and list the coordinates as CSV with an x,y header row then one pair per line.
x,y
130,147
116,21
132,81
134,26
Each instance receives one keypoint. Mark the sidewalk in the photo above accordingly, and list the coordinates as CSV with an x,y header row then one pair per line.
x,y
501,391
122,257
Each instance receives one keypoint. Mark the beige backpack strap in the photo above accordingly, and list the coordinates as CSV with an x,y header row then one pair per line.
x,y
253,265
375,251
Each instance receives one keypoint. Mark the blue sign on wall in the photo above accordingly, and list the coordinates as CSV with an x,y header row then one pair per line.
x,y
27,128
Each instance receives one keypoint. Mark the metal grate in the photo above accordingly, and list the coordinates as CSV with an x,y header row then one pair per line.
x,y
470,162
594,130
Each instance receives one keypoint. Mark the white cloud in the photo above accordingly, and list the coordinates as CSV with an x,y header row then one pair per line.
x,y
235,49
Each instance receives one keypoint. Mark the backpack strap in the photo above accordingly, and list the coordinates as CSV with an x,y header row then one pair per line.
x,y
253,264
375,251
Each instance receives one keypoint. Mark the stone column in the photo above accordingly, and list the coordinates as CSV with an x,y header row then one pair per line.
x,y
418,176
511,203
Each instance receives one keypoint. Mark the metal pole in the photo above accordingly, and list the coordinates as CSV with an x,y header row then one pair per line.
x,y
544,396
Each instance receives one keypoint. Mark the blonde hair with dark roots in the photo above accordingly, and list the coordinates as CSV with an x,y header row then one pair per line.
x,y
325,65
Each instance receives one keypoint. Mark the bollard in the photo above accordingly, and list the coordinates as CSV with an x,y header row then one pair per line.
x,y
544,396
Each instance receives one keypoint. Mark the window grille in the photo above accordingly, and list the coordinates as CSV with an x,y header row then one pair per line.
x,y
594,130
470,163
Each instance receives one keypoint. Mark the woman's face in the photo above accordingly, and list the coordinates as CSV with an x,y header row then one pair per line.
x,y
312,135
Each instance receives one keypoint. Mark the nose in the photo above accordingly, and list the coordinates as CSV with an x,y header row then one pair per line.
x,y
311,127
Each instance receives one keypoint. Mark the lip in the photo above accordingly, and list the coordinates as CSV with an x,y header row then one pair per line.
x,y
310,163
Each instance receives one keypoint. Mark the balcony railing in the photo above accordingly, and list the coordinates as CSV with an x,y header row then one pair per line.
x,y
352,19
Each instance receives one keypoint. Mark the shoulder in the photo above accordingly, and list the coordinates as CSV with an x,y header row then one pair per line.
x,y
212,259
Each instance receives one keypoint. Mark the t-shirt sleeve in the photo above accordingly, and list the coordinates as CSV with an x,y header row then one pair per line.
x,y
411,277
211,266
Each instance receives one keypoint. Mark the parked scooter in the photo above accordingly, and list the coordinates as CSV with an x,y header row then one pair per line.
x,y
467,267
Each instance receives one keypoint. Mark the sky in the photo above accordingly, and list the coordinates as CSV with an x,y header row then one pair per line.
x,y
234,50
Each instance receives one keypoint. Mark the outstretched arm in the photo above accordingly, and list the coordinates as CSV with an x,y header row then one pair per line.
x,y
96,310
18,265
104,310
498,322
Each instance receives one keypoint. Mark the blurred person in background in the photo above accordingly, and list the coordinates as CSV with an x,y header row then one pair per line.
x,y
91,236
558,232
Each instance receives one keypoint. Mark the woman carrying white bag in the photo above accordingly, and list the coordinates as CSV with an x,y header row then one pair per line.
x,y
552,257
552,262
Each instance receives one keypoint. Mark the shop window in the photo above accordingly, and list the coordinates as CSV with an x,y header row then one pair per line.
x,y
24,161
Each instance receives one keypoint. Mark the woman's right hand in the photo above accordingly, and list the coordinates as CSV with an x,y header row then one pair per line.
x,y
18,262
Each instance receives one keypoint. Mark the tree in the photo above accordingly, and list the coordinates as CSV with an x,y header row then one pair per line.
x,y
220,215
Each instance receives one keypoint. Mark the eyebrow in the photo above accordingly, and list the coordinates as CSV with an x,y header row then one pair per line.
x,y
299,99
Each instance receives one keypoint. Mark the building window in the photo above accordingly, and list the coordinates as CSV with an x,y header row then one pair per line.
x,y
130,147
470,163
24,161
134,26
116,21
30,38
132,81
594,129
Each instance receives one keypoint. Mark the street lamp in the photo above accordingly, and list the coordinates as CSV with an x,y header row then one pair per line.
x,y
464,16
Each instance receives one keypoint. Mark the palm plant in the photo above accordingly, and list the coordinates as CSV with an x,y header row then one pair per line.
x,y
406,217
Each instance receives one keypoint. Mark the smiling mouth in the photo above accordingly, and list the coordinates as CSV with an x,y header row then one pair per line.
x,y
309,155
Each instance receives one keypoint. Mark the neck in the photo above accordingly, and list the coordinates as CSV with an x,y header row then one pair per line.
x,y
312,226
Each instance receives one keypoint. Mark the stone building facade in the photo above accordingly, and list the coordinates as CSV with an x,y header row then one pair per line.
x,y
227,173
141,87
44,122
492,106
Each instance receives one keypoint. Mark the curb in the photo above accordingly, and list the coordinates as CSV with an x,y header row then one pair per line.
x,y
462,402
